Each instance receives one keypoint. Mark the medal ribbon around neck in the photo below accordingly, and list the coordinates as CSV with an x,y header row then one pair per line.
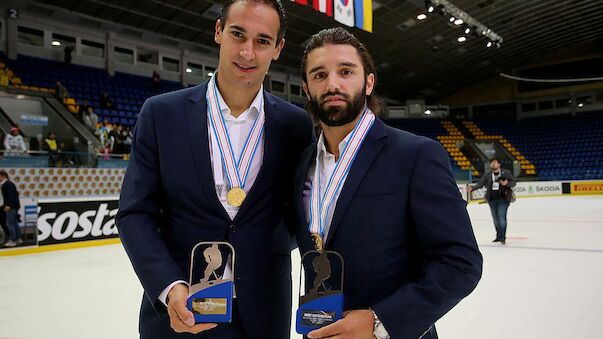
x,y
236,170
322,204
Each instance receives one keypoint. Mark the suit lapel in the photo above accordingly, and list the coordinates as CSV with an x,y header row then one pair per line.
x,y
307,159
197,124
364,159
272,135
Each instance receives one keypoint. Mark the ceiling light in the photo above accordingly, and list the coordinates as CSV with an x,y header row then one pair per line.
x,y
210,74
427,112
458,22
422,16
452,19
461,39
581,104
467,30
430,9
489,44
188,70
56,43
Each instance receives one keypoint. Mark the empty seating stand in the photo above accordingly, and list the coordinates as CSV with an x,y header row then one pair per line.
x,y
126,91
562,147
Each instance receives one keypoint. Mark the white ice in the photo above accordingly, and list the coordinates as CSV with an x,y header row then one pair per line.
x,y
547,282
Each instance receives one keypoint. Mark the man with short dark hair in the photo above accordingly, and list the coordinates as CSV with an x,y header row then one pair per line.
x,y
11,207
384,199
215,162
498,183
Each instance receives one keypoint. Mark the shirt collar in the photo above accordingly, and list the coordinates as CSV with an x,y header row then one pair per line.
x,y
251,113
322,147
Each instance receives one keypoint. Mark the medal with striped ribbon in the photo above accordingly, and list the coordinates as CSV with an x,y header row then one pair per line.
x,y
321,204
236,169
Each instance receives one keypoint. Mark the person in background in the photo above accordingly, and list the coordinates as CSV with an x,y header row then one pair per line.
x,y
51,146
89,118
60,91
14,144
498,183
67,54
11,206
82,109
156,81
105,101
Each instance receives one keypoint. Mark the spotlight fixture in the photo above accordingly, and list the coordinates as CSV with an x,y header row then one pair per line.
x,y
427,112
56,43
461,39
188,70
430,9
421,16
469,24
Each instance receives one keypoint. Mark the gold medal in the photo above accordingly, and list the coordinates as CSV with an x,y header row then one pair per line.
x,y
317,241
236,196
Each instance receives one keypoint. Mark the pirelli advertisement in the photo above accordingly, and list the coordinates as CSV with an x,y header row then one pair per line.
x,y
544,189
68,221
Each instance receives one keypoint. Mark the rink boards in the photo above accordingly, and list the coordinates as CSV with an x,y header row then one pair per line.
x,y
55,223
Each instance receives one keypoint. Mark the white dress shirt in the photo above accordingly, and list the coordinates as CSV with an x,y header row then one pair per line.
x,y
238,130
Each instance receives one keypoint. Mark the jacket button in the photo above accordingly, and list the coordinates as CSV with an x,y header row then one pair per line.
x,y
232,228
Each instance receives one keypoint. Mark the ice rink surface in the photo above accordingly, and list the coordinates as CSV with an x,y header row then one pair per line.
x,y
546,283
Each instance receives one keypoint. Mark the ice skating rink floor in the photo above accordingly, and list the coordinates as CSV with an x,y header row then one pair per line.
x,y
546,283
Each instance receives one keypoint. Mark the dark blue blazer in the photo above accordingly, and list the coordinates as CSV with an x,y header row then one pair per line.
x,y
403,231
168,204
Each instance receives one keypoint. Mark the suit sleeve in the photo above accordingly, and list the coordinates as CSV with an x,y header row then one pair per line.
x,y
139,218
452,262
308,138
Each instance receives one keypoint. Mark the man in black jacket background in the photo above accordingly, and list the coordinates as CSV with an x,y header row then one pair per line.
x,y
11,207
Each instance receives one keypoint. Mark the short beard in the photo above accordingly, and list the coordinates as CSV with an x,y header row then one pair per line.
x,y
338,116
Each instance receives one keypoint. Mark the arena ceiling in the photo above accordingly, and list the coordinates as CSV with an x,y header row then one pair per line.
x,y
414,58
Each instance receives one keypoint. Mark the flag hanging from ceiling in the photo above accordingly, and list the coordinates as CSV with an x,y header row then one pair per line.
x,y
364,14
344,12
323,6
358,13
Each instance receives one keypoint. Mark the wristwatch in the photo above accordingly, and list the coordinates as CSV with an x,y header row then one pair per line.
x,y
379,330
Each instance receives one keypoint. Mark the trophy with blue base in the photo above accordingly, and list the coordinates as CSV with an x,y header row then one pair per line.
x,y
322,305
211,293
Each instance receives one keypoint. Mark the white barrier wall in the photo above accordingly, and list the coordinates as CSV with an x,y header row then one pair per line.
x,y
541,189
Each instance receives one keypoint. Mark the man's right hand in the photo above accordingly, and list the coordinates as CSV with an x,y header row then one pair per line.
x,y
469,189
181,319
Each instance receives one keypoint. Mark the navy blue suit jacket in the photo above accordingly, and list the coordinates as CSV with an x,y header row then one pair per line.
x,y
168,204
403,231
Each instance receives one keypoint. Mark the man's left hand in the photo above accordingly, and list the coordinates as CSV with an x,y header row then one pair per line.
x,y
6,208
357,324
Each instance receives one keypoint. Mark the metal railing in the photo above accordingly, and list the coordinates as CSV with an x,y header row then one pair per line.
x,y
59,158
